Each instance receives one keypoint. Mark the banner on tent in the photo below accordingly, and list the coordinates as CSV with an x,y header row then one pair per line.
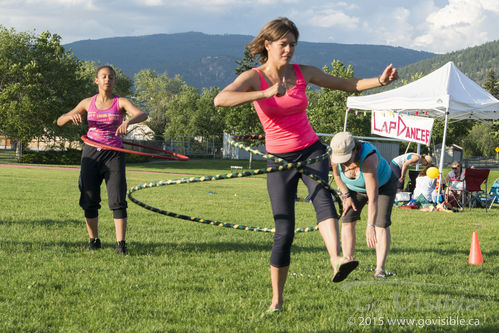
x,y
403,127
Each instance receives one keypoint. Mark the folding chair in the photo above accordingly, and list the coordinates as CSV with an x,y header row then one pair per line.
x,y
473,180
454,194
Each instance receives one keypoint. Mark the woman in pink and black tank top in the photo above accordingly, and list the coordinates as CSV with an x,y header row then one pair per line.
x,y
277,90
105,115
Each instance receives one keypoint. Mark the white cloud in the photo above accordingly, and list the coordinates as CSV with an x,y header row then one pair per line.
x,y
399,30
334,18
431,25
460,24
151,3
327,17
346,5
84,4
490,5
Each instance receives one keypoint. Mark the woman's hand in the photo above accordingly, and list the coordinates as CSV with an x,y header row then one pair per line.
x,y
370,236
122,129
278,89
347,204
389,75
76,118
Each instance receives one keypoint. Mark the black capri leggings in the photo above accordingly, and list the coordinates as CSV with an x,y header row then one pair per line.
x,y
98,165
282,187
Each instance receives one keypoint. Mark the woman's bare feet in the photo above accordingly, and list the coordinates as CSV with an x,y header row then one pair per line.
x,y
342,267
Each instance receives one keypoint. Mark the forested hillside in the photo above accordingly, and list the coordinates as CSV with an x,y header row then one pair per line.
x,y
475,62
210,60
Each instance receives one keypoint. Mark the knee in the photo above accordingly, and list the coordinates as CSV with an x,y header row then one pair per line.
x,y
284,239
348,227
91,213
281,251
119,213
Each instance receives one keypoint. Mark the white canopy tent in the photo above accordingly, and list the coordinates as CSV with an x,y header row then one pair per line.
x,y
444,93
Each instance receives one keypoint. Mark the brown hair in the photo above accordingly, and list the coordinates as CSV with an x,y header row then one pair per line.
x,y
422,173
272,31
105,66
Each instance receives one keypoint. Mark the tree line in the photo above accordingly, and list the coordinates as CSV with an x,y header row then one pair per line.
x,y
39,81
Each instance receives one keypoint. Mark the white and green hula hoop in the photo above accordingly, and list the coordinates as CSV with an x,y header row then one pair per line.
x,y
284,165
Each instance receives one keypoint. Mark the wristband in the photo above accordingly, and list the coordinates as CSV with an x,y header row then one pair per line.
x,y
380,82
371,225
346,195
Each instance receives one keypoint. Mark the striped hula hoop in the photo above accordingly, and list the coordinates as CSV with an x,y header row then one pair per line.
x,y
284,165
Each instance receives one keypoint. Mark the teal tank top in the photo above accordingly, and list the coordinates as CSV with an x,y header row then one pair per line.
x,y
359,184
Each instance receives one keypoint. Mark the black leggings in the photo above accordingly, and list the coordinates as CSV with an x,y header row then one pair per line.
x,y
282,187
98,165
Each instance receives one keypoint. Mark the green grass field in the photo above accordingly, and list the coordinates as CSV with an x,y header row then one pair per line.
x,y
182,276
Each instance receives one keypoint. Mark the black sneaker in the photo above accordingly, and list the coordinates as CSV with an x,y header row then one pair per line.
x,y
94,244
121,247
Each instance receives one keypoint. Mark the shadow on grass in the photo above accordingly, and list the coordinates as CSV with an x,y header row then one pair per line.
x,y
160,248
139,248
193,164
44,222
440,252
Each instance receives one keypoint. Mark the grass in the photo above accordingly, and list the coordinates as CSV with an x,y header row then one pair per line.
x,y
7,156
183,276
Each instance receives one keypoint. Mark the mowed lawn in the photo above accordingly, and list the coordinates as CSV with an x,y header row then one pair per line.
x,y
182,276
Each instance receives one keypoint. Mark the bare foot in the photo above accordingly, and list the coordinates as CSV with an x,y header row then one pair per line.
x,y
275,306
343,267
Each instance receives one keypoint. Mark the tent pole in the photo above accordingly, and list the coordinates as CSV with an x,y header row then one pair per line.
x,y
346,118
442,153
418,151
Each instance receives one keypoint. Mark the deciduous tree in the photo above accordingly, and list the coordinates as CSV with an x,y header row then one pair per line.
x,y
38,82
154,93
327,107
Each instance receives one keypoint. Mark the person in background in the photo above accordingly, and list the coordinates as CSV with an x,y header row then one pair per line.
x,y
400,165
105,115
277,89
425,186
454,182
364,177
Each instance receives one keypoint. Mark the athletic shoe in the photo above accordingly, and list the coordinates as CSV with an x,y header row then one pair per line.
x,y
94,244
121,247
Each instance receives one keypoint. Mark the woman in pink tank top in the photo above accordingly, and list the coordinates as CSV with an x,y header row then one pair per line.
x,y
105,113
277,90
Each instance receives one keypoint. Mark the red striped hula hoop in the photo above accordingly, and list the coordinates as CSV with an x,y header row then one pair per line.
x,y
170,156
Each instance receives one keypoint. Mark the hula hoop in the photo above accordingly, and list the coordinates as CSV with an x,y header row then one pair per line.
x,y
284,166
170,156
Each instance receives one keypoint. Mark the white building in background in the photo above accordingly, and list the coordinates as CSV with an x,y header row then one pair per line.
x,y
139,132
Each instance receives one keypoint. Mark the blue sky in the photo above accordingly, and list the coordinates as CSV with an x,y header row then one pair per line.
x,y
438,26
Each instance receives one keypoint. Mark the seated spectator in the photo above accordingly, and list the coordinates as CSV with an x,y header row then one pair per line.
x,y
424,186
455,184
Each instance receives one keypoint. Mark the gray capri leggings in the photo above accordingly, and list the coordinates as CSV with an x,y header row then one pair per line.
x,y
282,188
386,198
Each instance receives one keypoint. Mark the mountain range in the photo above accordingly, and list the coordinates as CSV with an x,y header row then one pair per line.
x,y
205,60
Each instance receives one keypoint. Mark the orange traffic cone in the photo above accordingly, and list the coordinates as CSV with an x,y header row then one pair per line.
x,y
475,252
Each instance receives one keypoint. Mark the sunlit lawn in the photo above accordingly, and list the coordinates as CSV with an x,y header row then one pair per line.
x,y
184,276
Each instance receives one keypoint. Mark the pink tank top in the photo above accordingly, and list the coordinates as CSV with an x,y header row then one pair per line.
x,y
284,119
102,124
